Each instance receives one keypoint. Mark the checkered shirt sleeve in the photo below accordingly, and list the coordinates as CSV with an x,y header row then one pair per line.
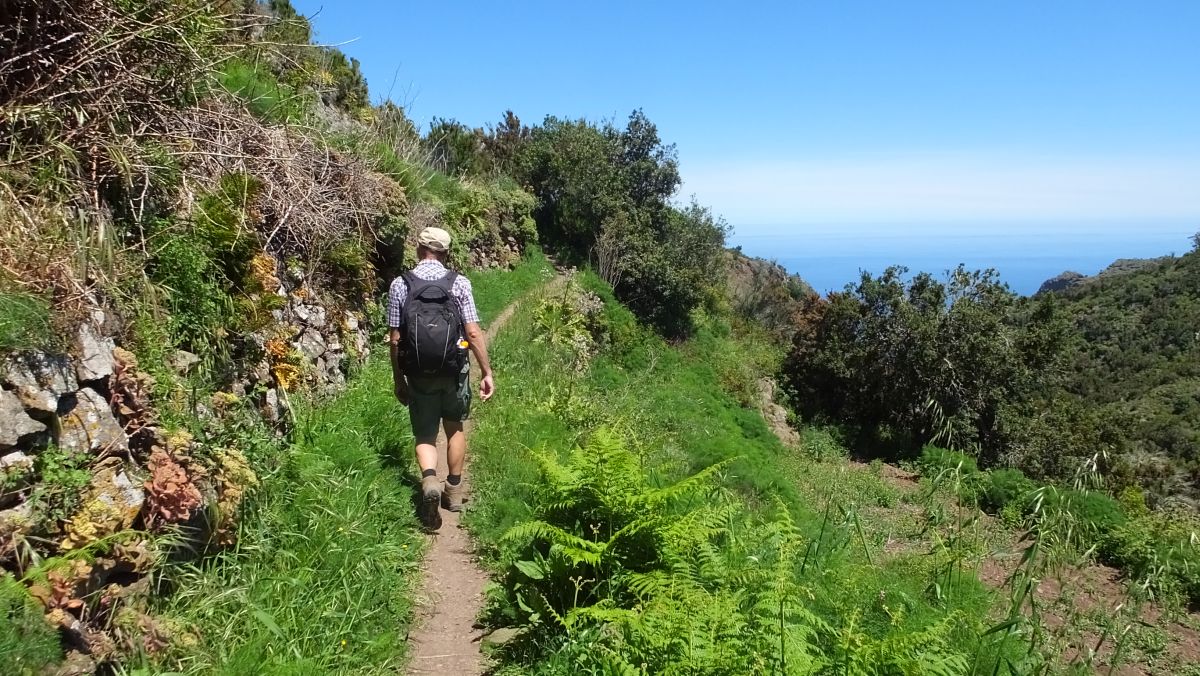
x,y
429,270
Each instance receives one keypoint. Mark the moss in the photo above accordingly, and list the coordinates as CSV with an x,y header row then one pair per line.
x,y
349,263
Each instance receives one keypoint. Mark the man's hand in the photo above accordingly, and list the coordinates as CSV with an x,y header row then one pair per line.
x,y
402,392
487,387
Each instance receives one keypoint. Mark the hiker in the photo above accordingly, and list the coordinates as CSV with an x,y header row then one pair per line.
x,y
433,322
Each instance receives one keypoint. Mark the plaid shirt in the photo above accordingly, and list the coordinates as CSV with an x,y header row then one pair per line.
x,y
430,270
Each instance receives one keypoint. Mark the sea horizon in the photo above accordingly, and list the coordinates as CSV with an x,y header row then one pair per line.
x,y
1024,255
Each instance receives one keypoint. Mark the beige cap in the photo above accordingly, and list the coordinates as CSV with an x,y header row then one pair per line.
x,y
434,239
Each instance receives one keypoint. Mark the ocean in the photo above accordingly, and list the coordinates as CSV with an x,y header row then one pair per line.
x,y
1025,255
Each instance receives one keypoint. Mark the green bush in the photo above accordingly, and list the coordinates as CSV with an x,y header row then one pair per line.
x,y
27,642
935,460
264,95
1158,550
1094,514
1002,487
349,263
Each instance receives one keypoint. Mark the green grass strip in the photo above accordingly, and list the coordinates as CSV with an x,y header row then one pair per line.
x,y
328,554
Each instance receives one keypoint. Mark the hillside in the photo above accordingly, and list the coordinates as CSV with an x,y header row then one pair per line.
x,y
1136,358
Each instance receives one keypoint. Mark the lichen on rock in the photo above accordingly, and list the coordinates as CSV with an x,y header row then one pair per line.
x,y
112,504
87,424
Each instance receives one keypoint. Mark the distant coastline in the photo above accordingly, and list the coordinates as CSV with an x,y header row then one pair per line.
x,y
829,258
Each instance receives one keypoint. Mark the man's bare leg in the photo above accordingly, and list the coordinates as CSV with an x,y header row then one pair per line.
x,y
456,454
456,446
427,454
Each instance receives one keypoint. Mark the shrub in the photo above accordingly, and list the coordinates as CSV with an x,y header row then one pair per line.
x,y
350,265
1002,487
1159,551
1094,514
935,460
264,95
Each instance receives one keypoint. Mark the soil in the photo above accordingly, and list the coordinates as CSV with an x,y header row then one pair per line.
x,y
447,637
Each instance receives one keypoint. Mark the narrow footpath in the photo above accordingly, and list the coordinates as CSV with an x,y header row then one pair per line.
x,y
446,639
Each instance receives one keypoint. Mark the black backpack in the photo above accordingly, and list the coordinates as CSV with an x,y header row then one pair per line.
x,y
433,327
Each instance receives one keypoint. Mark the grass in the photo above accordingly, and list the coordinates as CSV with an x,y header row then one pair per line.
x,y
264,95
27,642
24,321
328,550
495,289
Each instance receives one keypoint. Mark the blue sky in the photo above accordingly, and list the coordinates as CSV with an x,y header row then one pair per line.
x,y
835,113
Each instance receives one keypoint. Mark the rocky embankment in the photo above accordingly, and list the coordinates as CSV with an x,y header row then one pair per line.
x,y
88,463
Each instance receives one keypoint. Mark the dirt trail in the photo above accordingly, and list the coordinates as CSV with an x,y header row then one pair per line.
x,y
446,640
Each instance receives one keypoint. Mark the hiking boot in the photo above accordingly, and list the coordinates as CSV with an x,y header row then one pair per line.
x,y
431,493
453,497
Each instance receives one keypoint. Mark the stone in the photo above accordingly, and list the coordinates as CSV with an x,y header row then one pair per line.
x,y
95,351
350,321
14,422
39,379
261,374
501,636
313,315
87,424
311,344
111,504
274,408
19,519
16,464
76,664
182,361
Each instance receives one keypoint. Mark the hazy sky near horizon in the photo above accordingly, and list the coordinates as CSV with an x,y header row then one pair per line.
x,y
836,112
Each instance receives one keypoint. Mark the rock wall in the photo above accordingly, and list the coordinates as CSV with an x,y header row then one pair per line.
x,y
87,462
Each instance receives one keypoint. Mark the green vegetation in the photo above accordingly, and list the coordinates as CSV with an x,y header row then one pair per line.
x,y
27,641
321,577
24,321
200,171
327,551
495,289
263,94
906,363
639,518
1135,360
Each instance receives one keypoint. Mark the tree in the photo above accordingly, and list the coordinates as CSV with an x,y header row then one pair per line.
x,y
925,361
505,142
455,148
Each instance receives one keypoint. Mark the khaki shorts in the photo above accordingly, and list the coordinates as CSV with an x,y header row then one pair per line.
x,y
437,398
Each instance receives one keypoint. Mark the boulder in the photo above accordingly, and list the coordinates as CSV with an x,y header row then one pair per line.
x,y
274,408
311,344
95,351
39,379
313,315
87,424
14,422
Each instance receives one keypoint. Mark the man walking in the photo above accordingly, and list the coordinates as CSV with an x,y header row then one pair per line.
x,y
433,322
